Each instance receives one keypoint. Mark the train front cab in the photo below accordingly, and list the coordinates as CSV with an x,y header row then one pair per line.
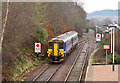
x,y
55,51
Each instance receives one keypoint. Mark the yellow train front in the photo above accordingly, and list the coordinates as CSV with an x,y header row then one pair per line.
x,y
55,51
59,46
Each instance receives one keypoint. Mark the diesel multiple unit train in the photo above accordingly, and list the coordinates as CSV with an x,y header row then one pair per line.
x,y
59,46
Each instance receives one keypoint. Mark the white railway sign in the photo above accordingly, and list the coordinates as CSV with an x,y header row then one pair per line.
x,y
98,37
37,47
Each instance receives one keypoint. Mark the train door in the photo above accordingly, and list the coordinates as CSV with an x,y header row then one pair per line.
x,y
55,49
72,41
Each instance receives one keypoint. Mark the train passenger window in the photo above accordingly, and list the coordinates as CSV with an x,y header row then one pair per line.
x,y
50,45
61,45
74,39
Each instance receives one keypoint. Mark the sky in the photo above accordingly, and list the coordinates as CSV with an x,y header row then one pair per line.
x,y
96,5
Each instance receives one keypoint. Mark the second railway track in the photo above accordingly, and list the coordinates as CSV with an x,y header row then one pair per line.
x,y
76,71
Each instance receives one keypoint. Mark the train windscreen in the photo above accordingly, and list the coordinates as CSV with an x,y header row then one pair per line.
x,y
61,45
50,45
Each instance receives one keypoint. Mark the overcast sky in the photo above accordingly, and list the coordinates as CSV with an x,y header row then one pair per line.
x,y
96,5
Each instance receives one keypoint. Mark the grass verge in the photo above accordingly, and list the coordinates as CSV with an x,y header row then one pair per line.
x,y
91,59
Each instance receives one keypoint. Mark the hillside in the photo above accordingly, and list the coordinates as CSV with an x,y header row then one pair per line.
x,y
103,14
28,23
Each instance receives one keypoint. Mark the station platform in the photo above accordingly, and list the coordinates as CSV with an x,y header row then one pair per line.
x,y
102,74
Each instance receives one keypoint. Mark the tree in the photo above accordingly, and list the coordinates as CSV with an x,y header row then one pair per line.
x,y
4,25
107,21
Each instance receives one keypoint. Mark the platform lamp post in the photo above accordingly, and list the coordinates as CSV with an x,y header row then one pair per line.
x,y
113,44
115,26
111,40
113,47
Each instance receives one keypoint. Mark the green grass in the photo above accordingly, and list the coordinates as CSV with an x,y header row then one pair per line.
x,y
25,61
83,36
84,33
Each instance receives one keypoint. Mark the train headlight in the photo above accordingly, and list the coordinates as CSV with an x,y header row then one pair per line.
x,y
61,53
49,53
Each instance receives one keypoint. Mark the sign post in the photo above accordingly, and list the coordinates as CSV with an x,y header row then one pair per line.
x,y
98,38
106,56
37,48
106,47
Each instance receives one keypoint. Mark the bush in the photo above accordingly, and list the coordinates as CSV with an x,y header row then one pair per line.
x,y
116,59
40,35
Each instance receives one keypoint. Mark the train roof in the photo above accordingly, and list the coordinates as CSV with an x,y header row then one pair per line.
x,y
65,36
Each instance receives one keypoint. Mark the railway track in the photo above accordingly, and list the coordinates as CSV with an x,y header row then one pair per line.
x,y
84,66
76,71
48,72
83,41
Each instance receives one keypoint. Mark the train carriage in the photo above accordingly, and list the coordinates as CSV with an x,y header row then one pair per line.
x,y
58,47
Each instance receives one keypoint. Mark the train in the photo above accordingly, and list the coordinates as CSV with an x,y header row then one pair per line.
x,y
59,46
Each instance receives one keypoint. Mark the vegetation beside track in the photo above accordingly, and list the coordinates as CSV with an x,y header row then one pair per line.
x,y
100,56
91,59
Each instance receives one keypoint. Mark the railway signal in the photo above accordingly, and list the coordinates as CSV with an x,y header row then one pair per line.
x,y
98,38
98,35
83,30
37,48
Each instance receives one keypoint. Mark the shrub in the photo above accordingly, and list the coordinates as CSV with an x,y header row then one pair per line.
x,y
40,35
116,59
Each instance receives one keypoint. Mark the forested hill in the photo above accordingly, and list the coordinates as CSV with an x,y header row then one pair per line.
x,y
32,22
